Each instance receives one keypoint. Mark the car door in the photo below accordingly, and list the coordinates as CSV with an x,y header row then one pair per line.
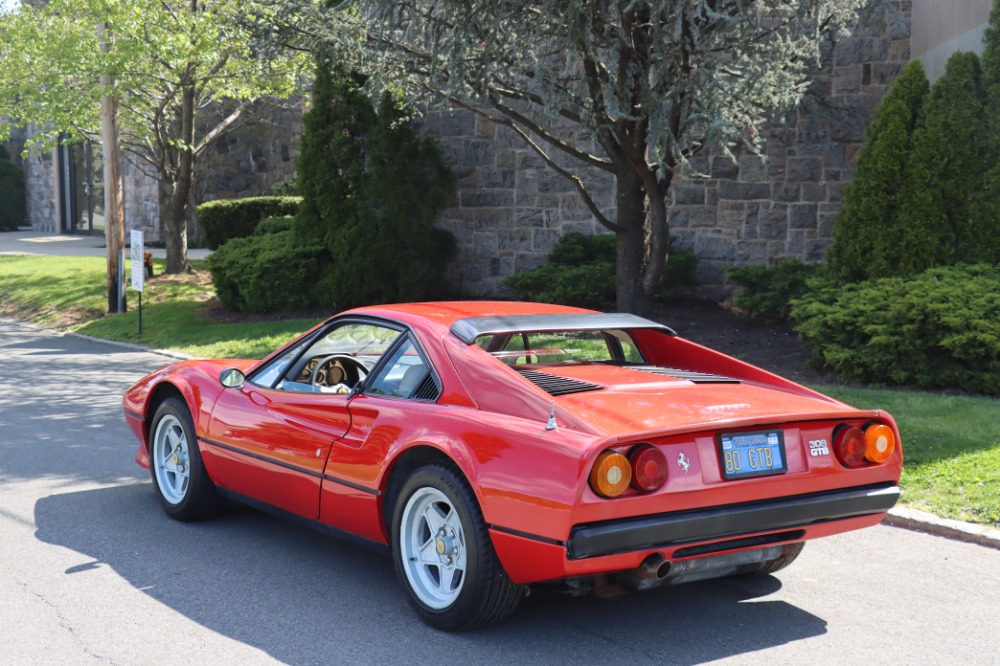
x,y
396,403
269,439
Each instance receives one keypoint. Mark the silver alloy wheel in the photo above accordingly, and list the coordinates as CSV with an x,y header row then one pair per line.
x,y
171,459
432,546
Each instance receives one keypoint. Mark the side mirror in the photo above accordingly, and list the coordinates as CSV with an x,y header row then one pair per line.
x,y
232,378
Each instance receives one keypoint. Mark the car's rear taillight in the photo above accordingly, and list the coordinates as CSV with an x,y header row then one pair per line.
x,y
849,445
649,468
855,446
880,442
611,474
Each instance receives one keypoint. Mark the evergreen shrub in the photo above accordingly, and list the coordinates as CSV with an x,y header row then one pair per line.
x,y
13,195
269,273
581,272
766,292
226,219
372,189
867,238
937,329
273,225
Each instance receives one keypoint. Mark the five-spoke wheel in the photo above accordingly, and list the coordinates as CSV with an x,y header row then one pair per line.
x,y
433,548
170,459
183,486
443,553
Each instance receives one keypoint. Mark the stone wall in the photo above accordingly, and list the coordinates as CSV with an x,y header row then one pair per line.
x,y
40,182
247,162
510,210
250,161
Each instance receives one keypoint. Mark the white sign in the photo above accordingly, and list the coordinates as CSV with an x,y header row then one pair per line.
x,y
138,263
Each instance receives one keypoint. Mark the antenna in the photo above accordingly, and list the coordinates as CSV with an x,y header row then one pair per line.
x,y
551,425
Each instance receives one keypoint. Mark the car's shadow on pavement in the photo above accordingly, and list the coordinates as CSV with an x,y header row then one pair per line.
x,y
304,597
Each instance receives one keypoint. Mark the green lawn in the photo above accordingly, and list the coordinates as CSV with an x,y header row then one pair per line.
x,y
951,443
951,449
70,293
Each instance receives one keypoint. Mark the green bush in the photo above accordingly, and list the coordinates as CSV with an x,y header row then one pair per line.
x,y
587,285
269,273
273,225
581,272
226,219
866,240
766,292
945,174
938,329
285,189
680,277
13,194
372,189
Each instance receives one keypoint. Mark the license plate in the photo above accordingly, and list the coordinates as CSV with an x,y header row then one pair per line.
x,y
747,454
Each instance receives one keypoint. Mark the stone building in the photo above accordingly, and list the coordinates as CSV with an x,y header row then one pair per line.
x,y
66,188
510,210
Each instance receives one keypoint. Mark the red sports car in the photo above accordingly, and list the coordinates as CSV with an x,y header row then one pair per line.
x,y
496,445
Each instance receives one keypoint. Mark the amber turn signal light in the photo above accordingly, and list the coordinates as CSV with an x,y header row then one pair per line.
x,y
611,474
880,442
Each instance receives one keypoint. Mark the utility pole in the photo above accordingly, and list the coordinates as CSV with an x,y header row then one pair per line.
x,y
114,207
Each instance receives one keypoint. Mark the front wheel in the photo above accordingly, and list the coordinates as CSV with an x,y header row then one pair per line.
x,y
182,484
443,554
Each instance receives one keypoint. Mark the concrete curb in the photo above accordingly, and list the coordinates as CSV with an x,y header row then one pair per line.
x,y
128,345
921,521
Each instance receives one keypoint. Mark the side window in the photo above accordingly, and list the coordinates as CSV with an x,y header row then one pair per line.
x,y
335,361
269,374
404,375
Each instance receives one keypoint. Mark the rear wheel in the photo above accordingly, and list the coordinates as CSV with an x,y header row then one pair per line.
x,y
443,554
182,484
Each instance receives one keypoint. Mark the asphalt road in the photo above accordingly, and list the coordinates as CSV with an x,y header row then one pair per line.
x,y
92,572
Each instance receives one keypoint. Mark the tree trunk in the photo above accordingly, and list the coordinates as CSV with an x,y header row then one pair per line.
x,y
114,230
631,200
173,219
642,240
174,193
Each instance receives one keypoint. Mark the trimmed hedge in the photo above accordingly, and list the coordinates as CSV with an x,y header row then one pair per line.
x,y
226,219
938,329
270,273
581,272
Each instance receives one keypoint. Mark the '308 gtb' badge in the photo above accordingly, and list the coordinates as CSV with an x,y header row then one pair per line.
x,y
683,462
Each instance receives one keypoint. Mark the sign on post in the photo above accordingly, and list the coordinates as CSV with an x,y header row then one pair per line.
x,y
138,264
138,269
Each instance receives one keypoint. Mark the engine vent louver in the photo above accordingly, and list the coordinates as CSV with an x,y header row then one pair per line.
x,y
689,375
555,385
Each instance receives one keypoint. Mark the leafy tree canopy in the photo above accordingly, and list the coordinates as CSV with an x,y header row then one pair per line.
x,y
184,74
632,87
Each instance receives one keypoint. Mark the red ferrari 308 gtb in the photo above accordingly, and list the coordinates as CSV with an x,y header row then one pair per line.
x,y
493,446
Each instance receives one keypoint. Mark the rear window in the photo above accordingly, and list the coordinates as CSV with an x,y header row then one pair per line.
x,y
562,347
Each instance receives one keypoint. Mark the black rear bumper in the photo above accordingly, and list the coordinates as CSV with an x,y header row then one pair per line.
x,y
672,529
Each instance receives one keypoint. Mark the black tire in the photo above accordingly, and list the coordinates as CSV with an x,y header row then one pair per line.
x,y
467,591
182,485
789,553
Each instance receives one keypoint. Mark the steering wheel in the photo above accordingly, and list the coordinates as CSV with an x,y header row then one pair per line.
x,y
338,369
